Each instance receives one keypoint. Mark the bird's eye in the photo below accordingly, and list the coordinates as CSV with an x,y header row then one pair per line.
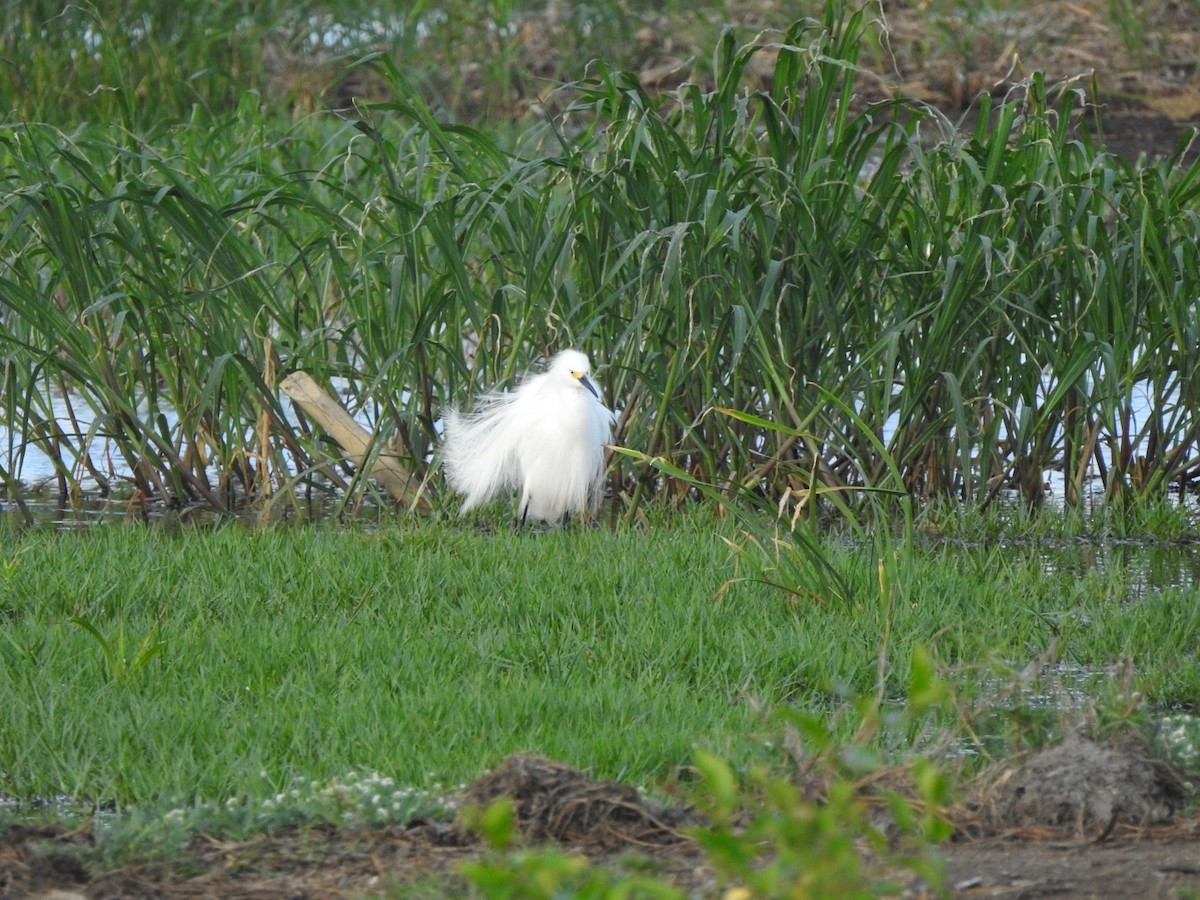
x,y
576,374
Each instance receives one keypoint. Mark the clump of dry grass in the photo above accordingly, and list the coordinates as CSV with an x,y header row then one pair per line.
x,y
555,802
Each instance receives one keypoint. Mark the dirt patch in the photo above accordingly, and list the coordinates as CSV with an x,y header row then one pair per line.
x,y
1137,63
1140,863
1007,845
1140,75
37,858
602,819
1132,130
1080,819
312,862
1087,786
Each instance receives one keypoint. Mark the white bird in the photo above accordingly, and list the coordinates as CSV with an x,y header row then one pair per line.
x,y
546,437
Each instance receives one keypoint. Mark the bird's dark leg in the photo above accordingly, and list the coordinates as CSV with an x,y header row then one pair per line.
x,y
524,513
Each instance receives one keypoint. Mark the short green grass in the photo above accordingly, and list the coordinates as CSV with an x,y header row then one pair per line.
x,y
151,669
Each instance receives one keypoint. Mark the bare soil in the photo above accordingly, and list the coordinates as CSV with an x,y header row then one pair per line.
x,y
1077,820
1134,63
1139,76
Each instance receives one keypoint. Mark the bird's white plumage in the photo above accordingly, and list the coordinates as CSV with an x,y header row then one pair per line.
x,y
545,438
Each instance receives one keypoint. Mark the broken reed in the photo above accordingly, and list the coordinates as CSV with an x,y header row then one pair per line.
x,y
988,305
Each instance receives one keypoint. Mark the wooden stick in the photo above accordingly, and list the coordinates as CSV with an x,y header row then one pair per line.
x,y
354,440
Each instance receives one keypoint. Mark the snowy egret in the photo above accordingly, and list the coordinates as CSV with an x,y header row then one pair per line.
x,y
545,437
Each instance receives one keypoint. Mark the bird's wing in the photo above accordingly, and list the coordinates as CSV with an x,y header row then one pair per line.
x,y
478,449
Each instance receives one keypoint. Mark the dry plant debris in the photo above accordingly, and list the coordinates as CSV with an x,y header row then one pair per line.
x,y
557,803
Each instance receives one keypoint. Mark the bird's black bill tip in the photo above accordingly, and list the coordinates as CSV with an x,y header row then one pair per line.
x,y
587,383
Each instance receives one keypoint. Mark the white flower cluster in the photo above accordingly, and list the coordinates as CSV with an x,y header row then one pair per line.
x,y
352,799
357,798
1179,737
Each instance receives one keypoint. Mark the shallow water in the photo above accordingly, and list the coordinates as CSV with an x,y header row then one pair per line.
x,y
42,503
1146,566
25,461
90,511
1061,702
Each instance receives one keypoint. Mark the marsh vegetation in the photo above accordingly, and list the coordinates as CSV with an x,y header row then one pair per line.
x,y
784,287
849,337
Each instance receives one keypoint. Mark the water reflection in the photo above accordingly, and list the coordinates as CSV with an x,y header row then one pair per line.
x,y
83,513
1034,708
36,494
1060,701
1145,567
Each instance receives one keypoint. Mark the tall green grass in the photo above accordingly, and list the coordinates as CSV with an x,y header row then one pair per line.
x,y
882,301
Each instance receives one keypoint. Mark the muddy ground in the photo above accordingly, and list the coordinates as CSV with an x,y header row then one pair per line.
x,y
1076,820
1135,64
44,862
1139,75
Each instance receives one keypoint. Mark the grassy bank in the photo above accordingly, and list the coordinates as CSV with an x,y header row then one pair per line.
x,y
147,668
